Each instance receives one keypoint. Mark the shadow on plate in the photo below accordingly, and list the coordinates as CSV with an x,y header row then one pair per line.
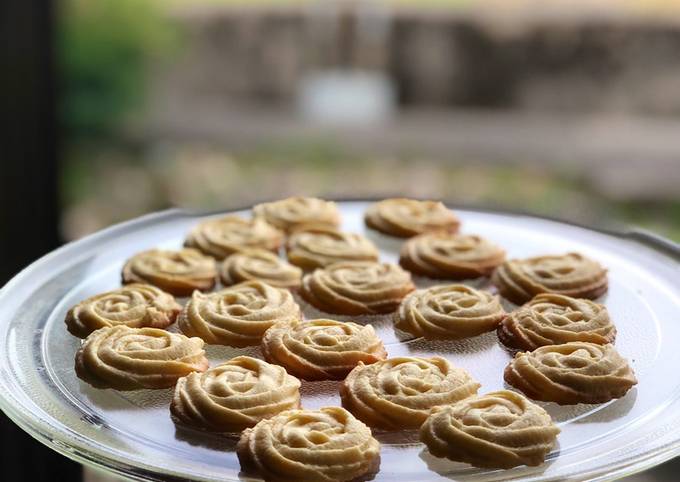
x,y
466,345
612,410
251,476
396,438
587,412
461,471
422,282
225,442
218,354
326,392
160,398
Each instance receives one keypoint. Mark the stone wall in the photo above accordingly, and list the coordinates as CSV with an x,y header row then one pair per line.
x,y
598,63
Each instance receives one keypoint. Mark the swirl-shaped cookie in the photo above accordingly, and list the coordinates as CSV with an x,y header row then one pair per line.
x,y
289,213
449,312
224,236
554,319
444,255
357,288
133,358
177,272
325,445
570,274
404,218
572,373
399,393
259,265
234,395
136,305
498,430
321,349
311,247
238,315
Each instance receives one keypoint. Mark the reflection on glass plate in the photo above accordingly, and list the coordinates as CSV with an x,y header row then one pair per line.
x,y
132,433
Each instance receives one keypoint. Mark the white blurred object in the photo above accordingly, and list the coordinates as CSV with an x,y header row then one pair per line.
x,y
346,96
347,80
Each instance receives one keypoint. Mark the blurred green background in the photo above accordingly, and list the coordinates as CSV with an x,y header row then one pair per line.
x,y
206,105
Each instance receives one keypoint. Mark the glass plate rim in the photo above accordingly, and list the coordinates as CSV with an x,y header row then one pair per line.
x,y
79,448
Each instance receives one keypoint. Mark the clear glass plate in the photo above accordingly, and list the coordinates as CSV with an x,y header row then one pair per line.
x,y
131,433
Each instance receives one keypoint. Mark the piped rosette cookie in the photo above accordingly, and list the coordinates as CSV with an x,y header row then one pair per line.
x,y
449,312
498,430
317,246
238,315
357,288
444,255
177,272
224,236
325,445
135,305
234,395
554,319
404,218
398,393
321,349
259,265
570,274
134,358
287,214
571,373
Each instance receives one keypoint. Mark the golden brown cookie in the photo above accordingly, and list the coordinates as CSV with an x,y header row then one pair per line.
x,y
449,312
554,319
404,218
321,349
292,212
224,236
135,305
443,255
570,274
234,395
177,272
133,358
357,288
499,430
311,247
398,393
238,315
259,265
325,445
571,373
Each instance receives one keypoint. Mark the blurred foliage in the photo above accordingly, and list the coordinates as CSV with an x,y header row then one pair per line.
x,y
104,48
635,5
105,186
